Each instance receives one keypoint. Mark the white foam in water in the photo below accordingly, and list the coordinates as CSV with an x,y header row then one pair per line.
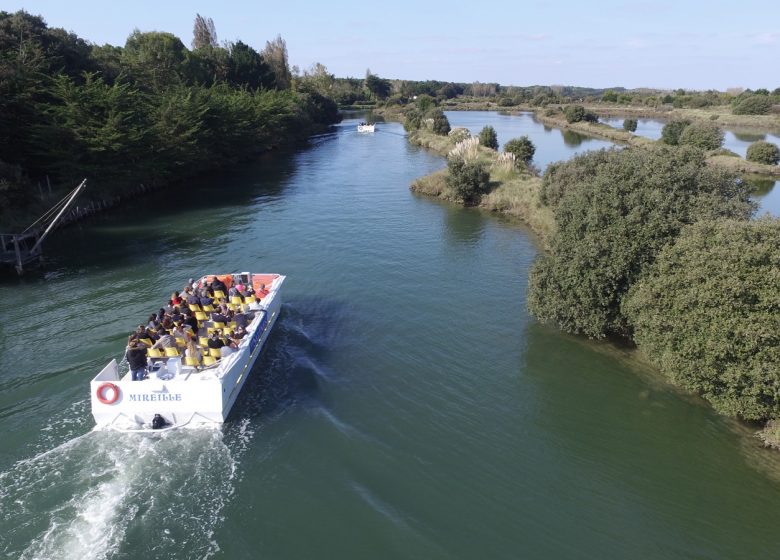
x,y
104,494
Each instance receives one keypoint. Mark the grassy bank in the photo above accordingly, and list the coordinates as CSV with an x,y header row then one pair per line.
x,y
513,192
722,115
733,163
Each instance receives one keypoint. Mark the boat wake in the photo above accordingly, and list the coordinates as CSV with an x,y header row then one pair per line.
x,y
100,495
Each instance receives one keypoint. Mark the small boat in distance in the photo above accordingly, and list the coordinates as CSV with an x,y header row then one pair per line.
x,y
366,127
182,391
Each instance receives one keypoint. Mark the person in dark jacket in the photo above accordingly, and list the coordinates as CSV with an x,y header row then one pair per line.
x,y
136,359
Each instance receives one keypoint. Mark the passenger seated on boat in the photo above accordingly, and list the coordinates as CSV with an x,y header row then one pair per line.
x,y
218,284
192,322
193,351
205,299
219,317
143,332
241,320
261,291
193,299
165,341
238,334
136,359
179,331
215,341
167,322
177,315
176,299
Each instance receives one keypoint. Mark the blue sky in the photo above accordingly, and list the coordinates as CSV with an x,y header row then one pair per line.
x,y
600,43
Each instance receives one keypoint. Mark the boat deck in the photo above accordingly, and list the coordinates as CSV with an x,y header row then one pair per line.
x,y
167,363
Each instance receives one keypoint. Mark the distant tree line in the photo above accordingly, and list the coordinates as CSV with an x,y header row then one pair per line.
x,y
148,112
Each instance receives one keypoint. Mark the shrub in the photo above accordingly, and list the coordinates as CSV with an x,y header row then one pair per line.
x,y
670,133
590,117
469,180
763,152
574,113
615,210
424,102
441,125
708,316
629,125
489,138
412,120
458,134
522,148
609,96
752,105
703,134
506,102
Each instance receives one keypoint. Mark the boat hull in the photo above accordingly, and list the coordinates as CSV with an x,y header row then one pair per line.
x,y
185,397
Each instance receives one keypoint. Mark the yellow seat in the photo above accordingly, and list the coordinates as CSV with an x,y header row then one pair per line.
x,y
200,316
235,300
171,352
194,307
208,308
209,360
232,325
215,352
249,299
147,341
188,361
219,294
232,306
154,353
203,341
218,325
181,343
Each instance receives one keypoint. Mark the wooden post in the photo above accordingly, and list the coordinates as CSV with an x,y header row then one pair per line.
x,y
19,268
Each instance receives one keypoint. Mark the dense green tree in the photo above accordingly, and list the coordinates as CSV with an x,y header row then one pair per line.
x,y
379,87
615,210
425,102
413,119
468,179
488,137
609,96
670,133
441,124
752,105
708,314
574,113
522,148
156,59
448,91
702,134
247,68
629,125
144,113
763,152
317,79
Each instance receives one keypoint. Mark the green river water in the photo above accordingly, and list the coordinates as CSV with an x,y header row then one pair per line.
x,y
406,406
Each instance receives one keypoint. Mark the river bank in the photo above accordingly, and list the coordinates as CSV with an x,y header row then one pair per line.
x,y
514,195
729,162
514,192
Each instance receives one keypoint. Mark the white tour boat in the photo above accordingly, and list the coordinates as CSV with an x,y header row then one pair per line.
x,y
366,127
179,392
